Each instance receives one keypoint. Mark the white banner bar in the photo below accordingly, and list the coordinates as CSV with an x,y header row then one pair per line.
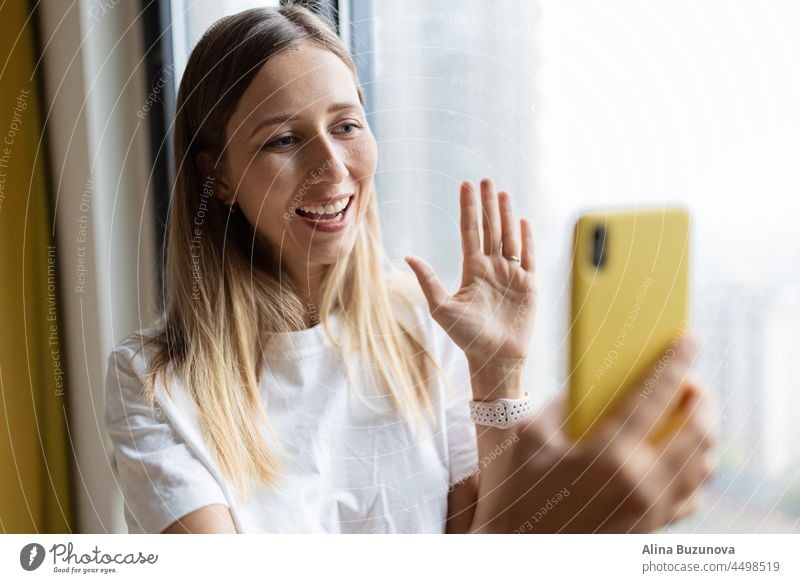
x,y
401,558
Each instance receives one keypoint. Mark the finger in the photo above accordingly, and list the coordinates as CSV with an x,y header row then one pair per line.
x,y
697,428
700,468
700,409
654,398
527,262
674,416
708,413
509,236
692,473
431,286
688,453
470,236
669,402
491,219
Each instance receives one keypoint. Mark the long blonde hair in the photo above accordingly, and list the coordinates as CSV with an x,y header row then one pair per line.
x,y
223,285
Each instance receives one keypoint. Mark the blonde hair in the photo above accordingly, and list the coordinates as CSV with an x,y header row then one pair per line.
x,y
214,329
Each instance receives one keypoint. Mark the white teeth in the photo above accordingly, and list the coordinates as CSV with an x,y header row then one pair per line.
x,y
328,209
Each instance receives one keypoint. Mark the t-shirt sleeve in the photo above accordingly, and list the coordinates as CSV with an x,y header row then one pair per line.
x,y
462,441
161,479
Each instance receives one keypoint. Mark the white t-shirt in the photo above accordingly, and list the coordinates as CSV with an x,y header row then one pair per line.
x,y
345,468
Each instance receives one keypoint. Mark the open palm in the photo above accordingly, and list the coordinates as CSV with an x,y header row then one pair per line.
x,y
492,313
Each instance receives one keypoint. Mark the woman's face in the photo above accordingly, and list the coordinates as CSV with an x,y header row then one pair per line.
x,y
298,141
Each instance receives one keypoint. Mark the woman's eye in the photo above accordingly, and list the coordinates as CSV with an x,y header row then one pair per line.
x,y
286,141
349,123
279,143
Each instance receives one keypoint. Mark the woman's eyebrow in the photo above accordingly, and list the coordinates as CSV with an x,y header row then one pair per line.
x,y
284,117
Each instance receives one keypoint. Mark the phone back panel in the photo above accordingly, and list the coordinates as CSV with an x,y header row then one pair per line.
x,y
629,302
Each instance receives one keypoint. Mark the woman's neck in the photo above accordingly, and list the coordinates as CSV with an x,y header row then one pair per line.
x,y
308,282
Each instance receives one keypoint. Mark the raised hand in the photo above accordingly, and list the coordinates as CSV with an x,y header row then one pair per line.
x,y
491,316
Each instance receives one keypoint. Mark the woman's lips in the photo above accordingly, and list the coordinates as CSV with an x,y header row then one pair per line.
x,y
330,226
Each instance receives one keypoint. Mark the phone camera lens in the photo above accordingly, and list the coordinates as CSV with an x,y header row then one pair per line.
x,y
599,248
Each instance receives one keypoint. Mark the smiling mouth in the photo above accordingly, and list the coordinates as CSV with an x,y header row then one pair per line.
x,y
323,217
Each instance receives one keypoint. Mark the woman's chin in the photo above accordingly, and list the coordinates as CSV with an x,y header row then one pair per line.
x,y
318,254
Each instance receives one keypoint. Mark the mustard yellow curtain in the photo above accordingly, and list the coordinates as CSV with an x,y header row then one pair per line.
x,y
35,456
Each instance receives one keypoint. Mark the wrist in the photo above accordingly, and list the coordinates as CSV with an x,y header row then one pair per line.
x,y
497,378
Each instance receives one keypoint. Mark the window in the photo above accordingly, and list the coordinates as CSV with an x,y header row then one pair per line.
x,y
191,18
448,91
576,105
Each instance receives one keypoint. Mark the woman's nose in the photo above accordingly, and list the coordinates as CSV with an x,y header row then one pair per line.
x,y
330,165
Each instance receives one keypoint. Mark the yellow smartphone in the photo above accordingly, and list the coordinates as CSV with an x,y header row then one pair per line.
x,y
630,297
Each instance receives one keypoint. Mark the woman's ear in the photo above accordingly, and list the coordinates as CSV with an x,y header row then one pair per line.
x,y
206,165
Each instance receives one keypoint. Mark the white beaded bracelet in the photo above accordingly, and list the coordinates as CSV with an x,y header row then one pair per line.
x,y
502,413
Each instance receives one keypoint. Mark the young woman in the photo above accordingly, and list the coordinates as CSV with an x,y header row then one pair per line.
x,y
296,383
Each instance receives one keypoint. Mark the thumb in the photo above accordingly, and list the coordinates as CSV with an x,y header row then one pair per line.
x,y
431,286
